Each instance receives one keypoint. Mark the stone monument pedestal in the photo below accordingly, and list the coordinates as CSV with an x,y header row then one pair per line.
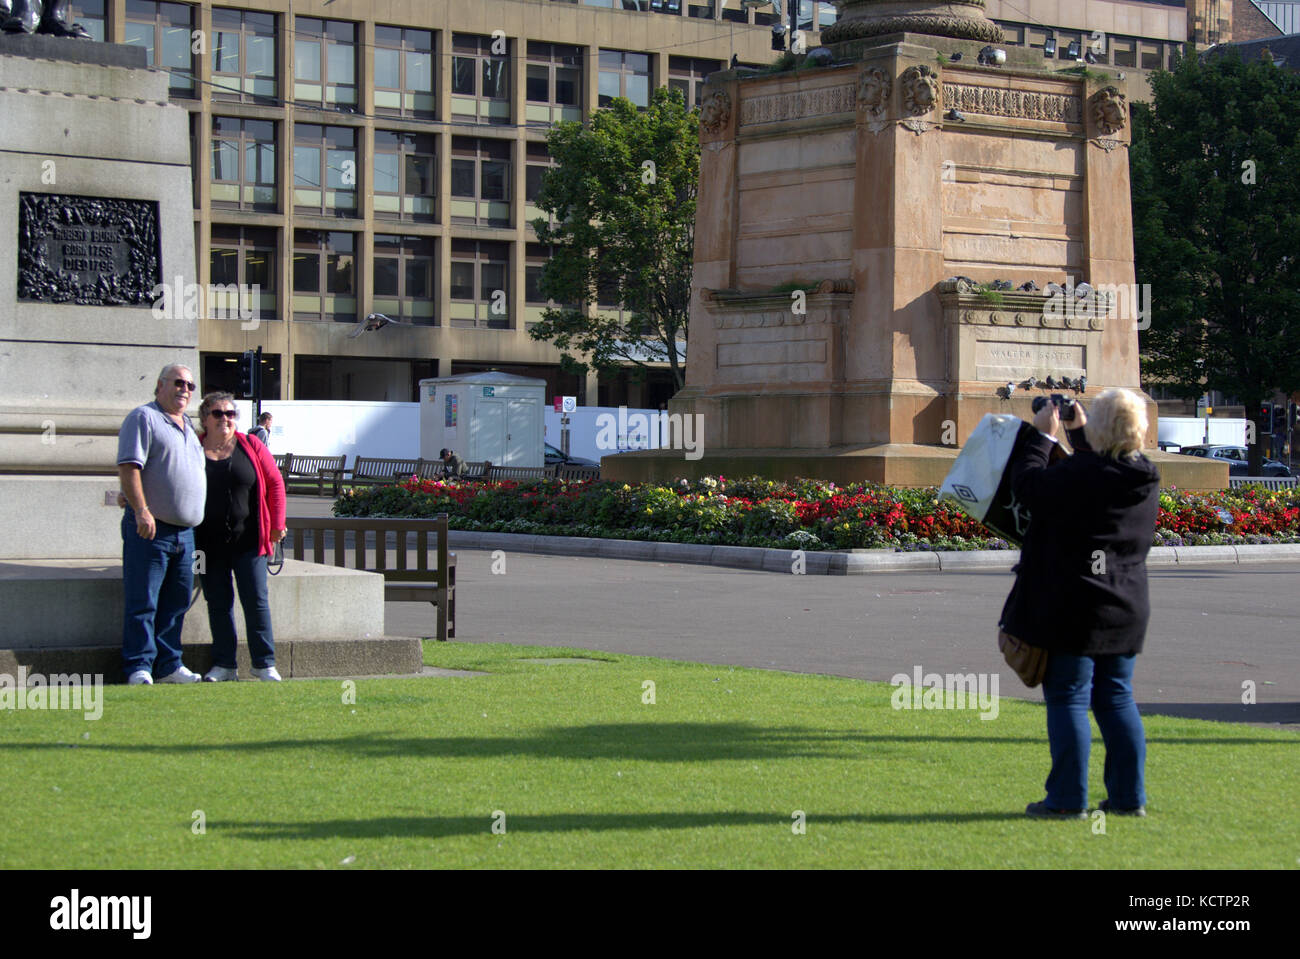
x,y
96,190
835,201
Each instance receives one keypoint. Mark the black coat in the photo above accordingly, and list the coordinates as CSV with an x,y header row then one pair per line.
x,y
1081,583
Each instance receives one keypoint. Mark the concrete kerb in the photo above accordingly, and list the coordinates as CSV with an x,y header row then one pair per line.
x,y
841,563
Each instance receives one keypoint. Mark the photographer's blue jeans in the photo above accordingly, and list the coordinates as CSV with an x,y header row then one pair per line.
x,y
1071,685
249,571
157,578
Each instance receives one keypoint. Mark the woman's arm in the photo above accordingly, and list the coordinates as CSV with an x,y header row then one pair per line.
x,y
273,495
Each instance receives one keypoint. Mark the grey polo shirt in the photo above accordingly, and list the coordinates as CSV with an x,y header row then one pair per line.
x,y
170,457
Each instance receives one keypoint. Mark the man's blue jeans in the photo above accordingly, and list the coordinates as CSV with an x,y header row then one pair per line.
x,y
157,577
1071,684
249,571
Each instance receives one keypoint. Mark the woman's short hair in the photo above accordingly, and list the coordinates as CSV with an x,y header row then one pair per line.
x,y
1117,423
211,400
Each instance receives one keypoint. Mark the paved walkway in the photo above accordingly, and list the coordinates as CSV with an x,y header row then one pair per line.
x,y
1212,628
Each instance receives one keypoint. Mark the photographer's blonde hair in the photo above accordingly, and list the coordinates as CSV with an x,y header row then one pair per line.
x,y
1117,424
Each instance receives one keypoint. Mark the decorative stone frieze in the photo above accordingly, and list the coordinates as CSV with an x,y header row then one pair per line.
x,y
822,101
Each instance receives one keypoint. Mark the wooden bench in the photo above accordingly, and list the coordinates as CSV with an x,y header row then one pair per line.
x,y
304,470
1268,482
495,474
434,583
377,471
570,473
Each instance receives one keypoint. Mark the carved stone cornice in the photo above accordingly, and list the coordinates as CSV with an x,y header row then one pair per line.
x,y
829,303
1016,104
1025,310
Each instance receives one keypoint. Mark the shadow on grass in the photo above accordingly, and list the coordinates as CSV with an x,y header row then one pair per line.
x,y
434,827
1226,712
647,742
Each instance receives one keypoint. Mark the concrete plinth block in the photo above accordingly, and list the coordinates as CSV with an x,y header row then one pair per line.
x,y
682,553
739,557
978,559
1268,552
74,603
885,560
1162,556
1205,554
59,517
624,549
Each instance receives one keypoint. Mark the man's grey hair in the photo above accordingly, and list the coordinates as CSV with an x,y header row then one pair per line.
x,y
166,373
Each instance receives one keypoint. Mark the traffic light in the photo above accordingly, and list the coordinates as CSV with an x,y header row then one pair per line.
x,y
248,374
1291,412
1279,418
778,37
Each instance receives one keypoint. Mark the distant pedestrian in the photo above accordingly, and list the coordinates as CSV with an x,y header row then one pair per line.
x,y
452,464
164,486
263,429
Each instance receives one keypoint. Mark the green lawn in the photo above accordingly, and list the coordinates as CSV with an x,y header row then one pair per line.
x,y
588,775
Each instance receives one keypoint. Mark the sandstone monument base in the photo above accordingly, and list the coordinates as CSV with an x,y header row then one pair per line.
x,y
852,220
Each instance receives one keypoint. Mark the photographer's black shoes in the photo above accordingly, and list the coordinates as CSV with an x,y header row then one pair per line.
x,y
1040,810
1110,810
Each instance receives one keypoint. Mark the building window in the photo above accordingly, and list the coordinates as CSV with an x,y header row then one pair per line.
x,y
324,276
1124,50
537,256
325,63
245,257
243,55
1152,55
165,32
687,76
91,14
703,9
734,12
405,175
553,88
671,7
539,161
325,170
243,164
624,74
404,72
480,181
404,278
480,289
1014,33
480,79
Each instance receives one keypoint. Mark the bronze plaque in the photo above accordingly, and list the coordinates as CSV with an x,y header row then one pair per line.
x,y
95,251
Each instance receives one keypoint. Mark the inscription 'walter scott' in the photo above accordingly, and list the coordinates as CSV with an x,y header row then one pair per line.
x,y
88,250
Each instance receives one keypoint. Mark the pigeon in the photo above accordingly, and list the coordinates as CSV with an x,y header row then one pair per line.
x,y
1089,57
1082,290
821,56
376,321
955,115
955,57
1051,383
1054,289
1030,383
1029,286
1000,285
1081,383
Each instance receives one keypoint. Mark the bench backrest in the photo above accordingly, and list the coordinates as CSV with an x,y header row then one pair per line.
x,y
429,535
310,464
567,472
517,472
1268,482
373,467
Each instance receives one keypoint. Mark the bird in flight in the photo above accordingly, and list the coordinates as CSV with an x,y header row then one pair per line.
x,y
376,321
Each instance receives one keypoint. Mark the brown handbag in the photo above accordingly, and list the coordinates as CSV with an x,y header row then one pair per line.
x,y
1029,662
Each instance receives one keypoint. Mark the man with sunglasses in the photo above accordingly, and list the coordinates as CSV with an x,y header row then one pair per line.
x,y
161,465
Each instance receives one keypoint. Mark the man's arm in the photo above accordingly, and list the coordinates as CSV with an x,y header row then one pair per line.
x,y
133,490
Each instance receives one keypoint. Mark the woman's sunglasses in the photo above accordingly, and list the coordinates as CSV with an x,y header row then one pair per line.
x,y
224,414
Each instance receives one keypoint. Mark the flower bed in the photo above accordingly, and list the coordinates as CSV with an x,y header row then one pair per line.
x,y
805,514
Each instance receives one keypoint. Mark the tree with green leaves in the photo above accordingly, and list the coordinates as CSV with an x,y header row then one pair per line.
x,y
1216,228
622,198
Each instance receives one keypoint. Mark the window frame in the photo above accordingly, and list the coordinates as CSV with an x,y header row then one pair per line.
x,y
477,107
243,243
324,148
246,196
324,251
421,311
476,312
245,89
623,72
324,41
403,151
487,211
188,87
414,103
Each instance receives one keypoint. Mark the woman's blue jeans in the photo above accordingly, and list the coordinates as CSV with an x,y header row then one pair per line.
x,y
249,571
1071,685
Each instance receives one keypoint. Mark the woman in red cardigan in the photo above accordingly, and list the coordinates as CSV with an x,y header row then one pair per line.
x,y
243,521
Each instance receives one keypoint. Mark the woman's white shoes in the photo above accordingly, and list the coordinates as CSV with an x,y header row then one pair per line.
x,y
267,675
221,674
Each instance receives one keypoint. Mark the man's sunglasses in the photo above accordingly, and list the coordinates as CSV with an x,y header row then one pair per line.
x,y
185,385
226,414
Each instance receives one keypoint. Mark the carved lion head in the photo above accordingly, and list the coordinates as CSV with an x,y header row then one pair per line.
x,y
920,89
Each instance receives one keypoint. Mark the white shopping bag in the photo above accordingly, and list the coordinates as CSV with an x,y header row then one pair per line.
x,y
979,483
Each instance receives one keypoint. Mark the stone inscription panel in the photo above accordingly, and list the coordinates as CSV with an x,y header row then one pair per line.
x,y
95,251
764,354
996,360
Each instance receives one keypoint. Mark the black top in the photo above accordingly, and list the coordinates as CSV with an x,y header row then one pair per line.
x,y
230,519
1081,583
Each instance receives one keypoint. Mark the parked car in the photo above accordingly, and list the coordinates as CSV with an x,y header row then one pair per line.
x,y
555,457
1238,460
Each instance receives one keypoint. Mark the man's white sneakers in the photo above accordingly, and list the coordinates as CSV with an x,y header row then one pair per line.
x,y
221,674
140,677
181,675
267,675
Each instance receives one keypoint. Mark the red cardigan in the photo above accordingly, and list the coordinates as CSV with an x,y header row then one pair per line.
x,y
271,485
